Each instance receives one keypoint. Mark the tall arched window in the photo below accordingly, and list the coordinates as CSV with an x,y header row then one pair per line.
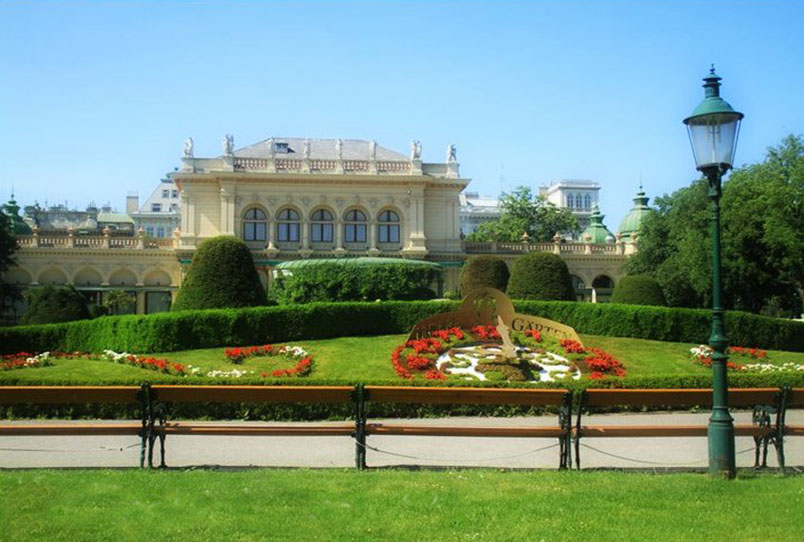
x,y
570,201
322,226
355,227
587,201
388,227
287,226
254,225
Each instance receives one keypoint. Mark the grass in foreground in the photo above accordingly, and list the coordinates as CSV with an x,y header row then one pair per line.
x,y
366,359
395,505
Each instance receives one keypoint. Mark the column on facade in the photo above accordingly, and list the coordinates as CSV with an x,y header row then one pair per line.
x,y
305,226
372,225
339,234
227,210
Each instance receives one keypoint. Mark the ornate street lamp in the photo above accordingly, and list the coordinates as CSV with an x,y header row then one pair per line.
x,y
713,128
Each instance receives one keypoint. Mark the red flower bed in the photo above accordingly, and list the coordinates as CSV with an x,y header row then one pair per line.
x,y
485,333
534,333
602,363
238,354
302,368
571,346
753,353
154,364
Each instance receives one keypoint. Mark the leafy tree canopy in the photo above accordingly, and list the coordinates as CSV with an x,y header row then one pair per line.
x,y
8,244
762,216
523,212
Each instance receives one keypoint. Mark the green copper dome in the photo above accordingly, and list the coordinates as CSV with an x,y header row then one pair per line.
x,y
596,233
16,223
633,220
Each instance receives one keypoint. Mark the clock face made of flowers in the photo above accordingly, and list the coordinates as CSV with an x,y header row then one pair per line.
x,y
486,340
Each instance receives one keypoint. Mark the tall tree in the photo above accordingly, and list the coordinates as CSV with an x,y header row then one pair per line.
x,y
8,244
763,220
522,212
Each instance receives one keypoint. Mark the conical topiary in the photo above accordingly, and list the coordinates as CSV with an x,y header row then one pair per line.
x,y
221,275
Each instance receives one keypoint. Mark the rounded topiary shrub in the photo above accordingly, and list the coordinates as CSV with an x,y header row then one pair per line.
x,y
221,275
638,290
484,272
540,276
53,304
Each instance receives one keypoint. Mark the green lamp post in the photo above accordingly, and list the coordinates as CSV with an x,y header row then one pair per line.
x,y
713,128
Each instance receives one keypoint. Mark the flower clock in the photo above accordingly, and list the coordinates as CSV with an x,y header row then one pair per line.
x,y
483,354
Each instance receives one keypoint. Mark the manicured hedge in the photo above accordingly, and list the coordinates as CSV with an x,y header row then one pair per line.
x,y
638,290
541,276
49,304
187,330
484,272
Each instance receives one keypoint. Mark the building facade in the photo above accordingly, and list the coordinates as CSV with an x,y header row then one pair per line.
x,y
579,196
160,214
291,199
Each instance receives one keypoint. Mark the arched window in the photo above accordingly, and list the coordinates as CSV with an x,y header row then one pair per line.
x,y
254,225
388,227
570,201
355,226
587,201
322,226
287,226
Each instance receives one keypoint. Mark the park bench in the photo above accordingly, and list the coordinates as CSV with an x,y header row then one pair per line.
x,y
166,394
768,405
793,399
65,395
560,398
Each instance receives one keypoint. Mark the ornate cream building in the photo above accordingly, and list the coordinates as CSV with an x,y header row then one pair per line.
x,y
291,198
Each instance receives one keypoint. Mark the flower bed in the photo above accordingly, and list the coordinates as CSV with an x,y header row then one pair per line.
x,y
24,360
303,362
145,362
703,355
478,354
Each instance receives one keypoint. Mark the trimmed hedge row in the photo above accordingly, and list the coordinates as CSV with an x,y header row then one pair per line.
x,y
166,332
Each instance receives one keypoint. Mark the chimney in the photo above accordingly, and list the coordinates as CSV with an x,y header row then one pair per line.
x,y
132,203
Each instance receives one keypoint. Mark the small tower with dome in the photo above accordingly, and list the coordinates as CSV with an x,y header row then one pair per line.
x,y
596,233
632,222
15,222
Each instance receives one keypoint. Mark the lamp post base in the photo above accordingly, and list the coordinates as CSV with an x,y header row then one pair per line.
x,y
722,461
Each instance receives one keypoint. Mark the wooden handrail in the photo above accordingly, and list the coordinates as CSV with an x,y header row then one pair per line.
x,y
252,394
465,396
11,395
677,397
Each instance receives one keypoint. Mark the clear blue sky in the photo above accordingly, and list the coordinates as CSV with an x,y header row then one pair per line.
x,y
96,98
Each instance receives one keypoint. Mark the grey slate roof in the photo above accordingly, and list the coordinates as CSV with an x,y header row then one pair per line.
x,y
320,149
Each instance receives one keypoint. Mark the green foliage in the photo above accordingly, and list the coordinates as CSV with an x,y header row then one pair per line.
x,y
638,290
52,304
522,212
221,275
353,282
118,302
762,215
8,244
168,332
540,276
484,272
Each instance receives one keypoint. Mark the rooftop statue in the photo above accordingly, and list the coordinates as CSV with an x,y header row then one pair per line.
x,y
228,144
306,149
188,147
372,150
339,149
452,154
415,150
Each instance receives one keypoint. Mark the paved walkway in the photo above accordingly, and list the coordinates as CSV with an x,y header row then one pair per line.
x,y
186,451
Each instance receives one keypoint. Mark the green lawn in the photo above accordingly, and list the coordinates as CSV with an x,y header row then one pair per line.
x,y
309,505
363,359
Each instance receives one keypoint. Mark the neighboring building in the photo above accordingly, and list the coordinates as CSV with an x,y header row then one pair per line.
x,y
59,218
476,209
578,196
596,233
160,214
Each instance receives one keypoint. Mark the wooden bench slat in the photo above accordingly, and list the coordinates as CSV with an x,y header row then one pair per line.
x,y
603,431
70,429
465,396
436,431
794,430
677,397
253,394
68,394
252,430
796,398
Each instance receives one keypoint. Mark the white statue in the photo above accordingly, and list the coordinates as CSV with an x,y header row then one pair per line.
x,y
188,147
306,149
415,150
452,154
372,150
271,148
228,144
339,149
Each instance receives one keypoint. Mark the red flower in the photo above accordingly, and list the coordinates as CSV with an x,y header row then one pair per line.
x,y
535,334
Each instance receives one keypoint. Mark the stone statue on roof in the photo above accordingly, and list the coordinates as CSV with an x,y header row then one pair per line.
x,y
228,144
188,147
452,154
306,149
271,148
415,150
372,150
339,149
